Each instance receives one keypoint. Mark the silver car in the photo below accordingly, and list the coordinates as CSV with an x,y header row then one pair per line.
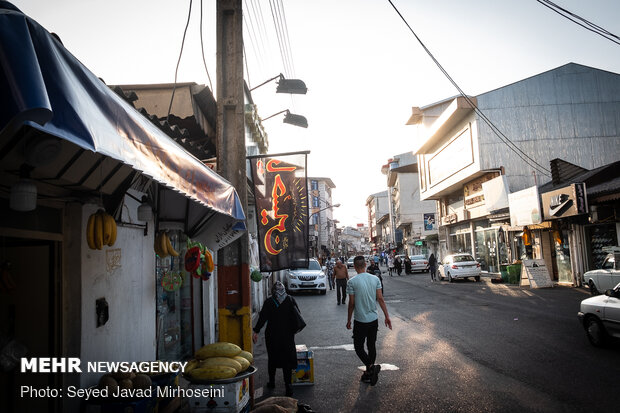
x,y
306,279
600,316
419,263
459,266
605,278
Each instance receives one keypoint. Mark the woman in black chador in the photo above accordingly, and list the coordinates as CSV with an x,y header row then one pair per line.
x,y
278,313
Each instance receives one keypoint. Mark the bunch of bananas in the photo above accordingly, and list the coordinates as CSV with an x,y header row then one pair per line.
x,y
101,230
163,246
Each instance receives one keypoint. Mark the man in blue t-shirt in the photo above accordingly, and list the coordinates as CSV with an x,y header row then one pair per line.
x,y
364,292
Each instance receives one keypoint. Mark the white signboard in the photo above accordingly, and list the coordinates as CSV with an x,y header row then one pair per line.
x,y
534,273
495,193
524,207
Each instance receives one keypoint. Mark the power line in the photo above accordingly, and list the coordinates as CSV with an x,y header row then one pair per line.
x,y
511,145
279,36
287,42
176,71
580,21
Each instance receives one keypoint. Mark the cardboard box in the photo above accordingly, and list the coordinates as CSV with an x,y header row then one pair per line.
x,y
234,398
304,374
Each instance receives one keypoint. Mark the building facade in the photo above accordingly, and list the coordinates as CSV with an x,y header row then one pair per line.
x,y
468,167
321,221
412,217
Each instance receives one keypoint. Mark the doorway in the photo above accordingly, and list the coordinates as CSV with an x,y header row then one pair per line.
x,y
28,317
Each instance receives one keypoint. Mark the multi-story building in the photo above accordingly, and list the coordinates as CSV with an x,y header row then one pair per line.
x,y
377,205
321,221
411,217
470,157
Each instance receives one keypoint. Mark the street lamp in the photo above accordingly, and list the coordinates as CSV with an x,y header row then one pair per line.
x,y
291,119
292,86
323,209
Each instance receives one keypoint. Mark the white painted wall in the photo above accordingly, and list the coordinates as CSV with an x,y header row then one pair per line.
x,y
130,333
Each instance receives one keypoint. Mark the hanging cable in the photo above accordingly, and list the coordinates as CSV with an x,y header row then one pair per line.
x,y
503,138
276,22
202,49
176,72
285,36
577,19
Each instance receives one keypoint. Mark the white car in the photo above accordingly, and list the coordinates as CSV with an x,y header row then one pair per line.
x,y
306,279
419,263
350,262
459,266
605,278
600,316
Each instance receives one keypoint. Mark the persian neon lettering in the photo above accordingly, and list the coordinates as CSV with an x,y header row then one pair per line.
x,y
279,189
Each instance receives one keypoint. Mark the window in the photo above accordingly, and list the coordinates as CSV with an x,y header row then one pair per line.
x,y
314,185
315,201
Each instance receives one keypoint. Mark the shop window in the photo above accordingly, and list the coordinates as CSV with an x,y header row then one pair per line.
x,y
174,305
598,237
460,243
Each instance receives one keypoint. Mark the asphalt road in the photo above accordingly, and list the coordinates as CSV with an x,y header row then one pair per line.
x,y
458,347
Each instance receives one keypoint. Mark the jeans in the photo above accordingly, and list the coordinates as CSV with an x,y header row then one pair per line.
x,y
341,285
365,332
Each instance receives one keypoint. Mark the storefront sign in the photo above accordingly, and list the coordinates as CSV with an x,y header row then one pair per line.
x,y
565,202
429,222
524,207
495,193
455,156
473,194
534,273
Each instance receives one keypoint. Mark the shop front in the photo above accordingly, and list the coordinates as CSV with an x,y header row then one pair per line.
x,y
71,149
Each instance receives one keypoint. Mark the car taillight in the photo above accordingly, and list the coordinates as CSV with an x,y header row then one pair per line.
x,y
425,262
478,264
455,267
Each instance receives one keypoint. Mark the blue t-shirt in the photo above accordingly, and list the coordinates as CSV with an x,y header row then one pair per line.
x,y
364,287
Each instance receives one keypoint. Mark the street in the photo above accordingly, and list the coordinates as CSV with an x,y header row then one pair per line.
x,y
457,347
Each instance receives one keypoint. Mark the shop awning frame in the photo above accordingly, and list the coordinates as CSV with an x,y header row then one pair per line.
x,y
44,87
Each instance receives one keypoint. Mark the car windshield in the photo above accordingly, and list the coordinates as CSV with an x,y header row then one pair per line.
x,y
418,257
462,258
314,265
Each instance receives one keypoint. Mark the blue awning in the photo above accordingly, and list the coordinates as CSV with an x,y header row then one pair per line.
x,y
45,87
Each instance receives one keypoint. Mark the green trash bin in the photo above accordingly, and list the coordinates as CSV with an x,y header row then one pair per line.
x,y
503,270
514,273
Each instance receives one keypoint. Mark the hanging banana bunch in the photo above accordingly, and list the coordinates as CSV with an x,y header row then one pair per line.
x,y
163,246
100,230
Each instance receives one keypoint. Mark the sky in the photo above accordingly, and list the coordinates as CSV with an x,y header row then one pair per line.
x,y
363,67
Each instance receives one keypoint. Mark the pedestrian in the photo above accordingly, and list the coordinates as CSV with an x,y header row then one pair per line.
x,y
391,265
330,274
279,313
432,266
398,265
375,270
364,292
342,276
376,260
407,265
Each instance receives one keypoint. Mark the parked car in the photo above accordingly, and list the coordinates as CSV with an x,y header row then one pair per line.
x,y
350,262
605,278
600,316
306,279
459,266
419,263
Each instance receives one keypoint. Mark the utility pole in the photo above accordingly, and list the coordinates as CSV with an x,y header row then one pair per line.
x,y
233,269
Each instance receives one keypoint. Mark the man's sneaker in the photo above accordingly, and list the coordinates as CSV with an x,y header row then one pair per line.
x,y
374,374
366,376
